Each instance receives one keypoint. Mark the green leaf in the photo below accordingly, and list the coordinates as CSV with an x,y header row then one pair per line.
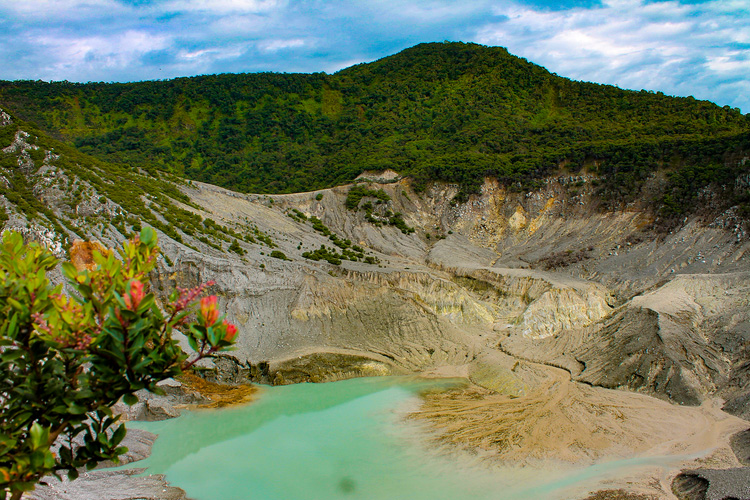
x,y
69,270
49,460
147,302
12,354
118,435
212,335
139,367
103,439
39,435
115,333
198,331
76,409
66,455
192,342
130,399
148,235
24,486
16,305
6,443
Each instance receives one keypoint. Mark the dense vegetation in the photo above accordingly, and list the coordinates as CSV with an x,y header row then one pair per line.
x,y
377,214
442,111
142,196
67,360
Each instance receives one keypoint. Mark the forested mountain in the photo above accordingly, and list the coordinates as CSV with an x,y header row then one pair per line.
x,y
441,111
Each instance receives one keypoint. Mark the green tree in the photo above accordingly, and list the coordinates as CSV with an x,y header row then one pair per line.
x,y
65,360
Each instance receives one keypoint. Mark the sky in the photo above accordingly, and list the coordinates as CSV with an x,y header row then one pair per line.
x,y
680,47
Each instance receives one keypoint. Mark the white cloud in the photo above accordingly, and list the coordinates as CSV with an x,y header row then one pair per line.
x,y
277,45
631,44
57,9
726,64
118,51
217,7
434,11
209,54
247,25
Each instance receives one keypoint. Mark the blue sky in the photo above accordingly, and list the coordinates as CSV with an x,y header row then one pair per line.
x,y
680,47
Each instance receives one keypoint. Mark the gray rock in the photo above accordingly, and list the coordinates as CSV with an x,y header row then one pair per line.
x,y
713,484
151,407
108,485
104,484
160,409
740,443
138,443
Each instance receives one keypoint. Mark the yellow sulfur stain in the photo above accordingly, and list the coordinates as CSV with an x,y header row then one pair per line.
x,y
536,222
518,220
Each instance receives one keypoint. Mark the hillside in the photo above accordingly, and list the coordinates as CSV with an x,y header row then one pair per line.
x,y
54,193
583,335
442,111
504,291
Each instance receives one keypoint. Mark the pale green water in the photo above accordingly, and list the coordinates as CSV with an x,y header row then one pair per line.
x,y
342,440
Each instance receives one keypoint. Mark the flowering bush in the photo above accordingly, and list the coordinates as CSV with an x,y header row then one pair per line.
x,y
65,360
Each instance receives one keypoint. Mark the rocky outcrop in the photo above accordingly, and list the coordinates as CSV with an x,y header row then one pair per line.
x,y
544,274
677,338
651,357
541,304
740,443
680,341
712,484
328,367
112,485
101,483
151,407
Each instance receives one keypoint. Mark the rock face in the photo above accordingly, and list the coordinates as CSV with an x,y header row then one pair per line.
x,y
708,484
103,483
533,275
740,443
112,485
542,275
151,408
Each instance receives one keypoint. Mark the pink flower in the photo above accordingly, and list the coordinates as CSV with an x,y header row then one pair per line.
x,y
209,310
134,298
231,331
188,295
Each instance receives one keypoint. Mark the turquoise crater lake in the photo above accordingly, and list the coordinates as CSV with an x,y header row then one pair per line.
x,y
340,440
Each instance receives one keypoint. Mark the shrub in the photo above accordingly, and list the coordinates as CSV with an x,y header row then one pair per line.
x,y
66,360
356,193
277,254
398,221
318,225
236,248
324,253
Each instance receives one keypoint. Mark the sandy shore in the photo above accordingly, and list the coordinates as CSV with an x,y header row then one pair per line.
x,y
559,420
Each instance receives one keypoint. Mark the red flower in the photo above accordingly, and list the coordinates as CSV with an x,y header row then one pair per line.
x,y
231,331
209,310
134,298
